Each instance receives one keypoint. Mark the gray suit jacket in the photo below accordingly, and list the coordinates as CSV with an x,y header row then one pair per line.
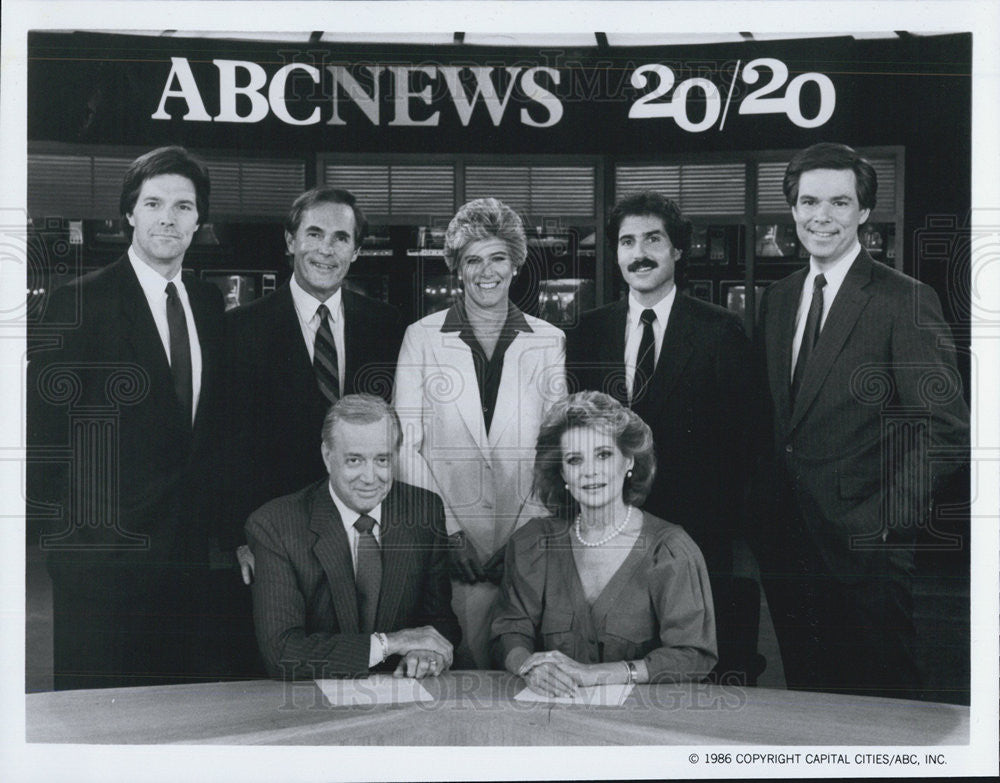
x,y
304,599
880,391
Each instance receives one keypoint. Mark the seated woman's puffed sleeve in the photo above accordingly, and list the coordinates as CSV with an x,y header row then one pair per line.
x,y
517,611
682,598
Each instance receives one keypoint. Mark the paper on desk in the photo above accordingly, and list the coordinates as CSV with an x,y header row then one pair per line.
x,y
593,696
373,690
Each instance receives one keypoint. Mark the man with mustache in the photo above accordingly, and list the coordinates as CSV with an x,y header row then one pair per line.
x,y
295,353
681,364
128,376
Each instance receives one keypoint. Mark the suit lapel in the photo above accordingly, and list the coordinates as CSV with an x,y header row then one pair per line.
x,y
779,345
208,340
140,333
286,335
674,352
397,557
451,352
847,307
357,332
520,366
332,549
611,352
286,350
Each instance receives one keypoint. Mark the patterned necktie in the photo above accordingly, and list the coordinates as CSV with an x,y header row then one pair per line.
x,y
325,358
645,362
180,350
368,575
810,335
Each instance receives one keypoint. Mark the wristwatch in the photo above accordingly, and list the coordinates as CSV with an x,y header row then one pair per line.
x,y
633,672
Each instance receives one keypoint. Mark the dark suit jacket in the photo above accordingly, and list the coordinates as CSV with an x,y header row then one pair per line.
x,y
277,407
695,406
881,388
98,375
304,599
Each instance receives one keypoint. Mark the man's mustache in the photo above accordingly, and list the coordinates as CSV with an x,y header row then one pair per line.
x,y
641,262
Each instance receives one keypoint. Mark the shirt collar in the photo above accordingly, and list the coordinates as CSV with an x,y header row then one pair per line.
x,y
661,308
837,271
152,282
456,319
306,303
348,515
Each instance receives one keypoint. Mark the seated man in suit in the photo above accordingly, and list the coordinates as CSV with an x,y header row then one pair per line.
x,y
353,570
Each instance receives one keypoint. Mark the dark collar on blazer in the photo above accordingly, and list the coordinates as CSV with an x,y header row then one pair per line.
x,y
456,319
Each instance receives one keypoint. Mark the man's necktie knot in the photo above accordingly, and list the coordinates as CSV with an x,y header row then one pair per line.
x,y
364,524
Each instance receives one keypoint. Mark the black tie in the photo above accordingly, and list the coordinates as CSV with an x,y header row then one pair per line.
x,y
368,575
645,362
180,350
810,335
325,358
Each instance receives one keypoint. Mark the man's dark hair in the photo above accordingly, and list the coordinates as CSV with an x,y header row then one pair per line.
x,y
164,160
827,155
649,202
327,195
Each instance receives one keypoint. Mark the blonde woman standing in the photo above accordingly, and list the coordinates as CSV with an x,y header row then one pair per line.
x,y
473,384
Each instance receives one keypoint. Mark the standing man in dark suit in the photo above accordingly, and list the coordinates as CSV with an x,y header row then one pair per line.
x,y
682,365
132,387
863,386
353,569
282,385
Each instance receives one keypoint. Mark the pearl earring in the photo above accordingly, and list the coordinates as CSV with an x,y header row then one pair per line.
x,y
628,473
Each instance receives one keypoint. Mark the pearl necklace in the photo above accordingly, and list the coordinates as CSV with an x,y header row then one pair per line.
x,y
609,536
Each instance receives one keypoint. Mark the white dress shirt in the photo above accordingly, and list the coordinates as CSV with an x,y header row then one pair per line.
x,y
835,274
154,286
349,516
305,307
633,331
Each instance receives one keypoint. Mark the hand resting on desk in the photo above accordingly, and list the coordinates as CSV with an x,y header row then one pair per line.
x,y
553,673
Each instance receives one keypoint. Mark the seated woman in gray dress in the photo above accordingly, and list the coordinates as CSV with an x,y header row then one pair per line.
x,y
600,592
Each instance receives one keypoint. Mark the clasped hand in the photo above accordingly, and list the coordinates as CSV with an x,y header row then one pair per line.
x,y
424,652
420,663
553,673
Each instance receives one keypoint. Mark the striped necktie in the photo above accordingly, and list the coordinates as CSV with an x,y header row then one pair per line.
x,y
325,358
645,363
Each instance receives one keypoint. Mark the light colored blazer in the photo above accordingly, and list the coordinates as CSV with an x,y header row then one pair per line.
x,y
485,481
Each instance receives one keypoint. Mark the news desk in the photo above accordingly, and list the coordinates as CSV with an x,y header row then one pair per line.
x,y
478,708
